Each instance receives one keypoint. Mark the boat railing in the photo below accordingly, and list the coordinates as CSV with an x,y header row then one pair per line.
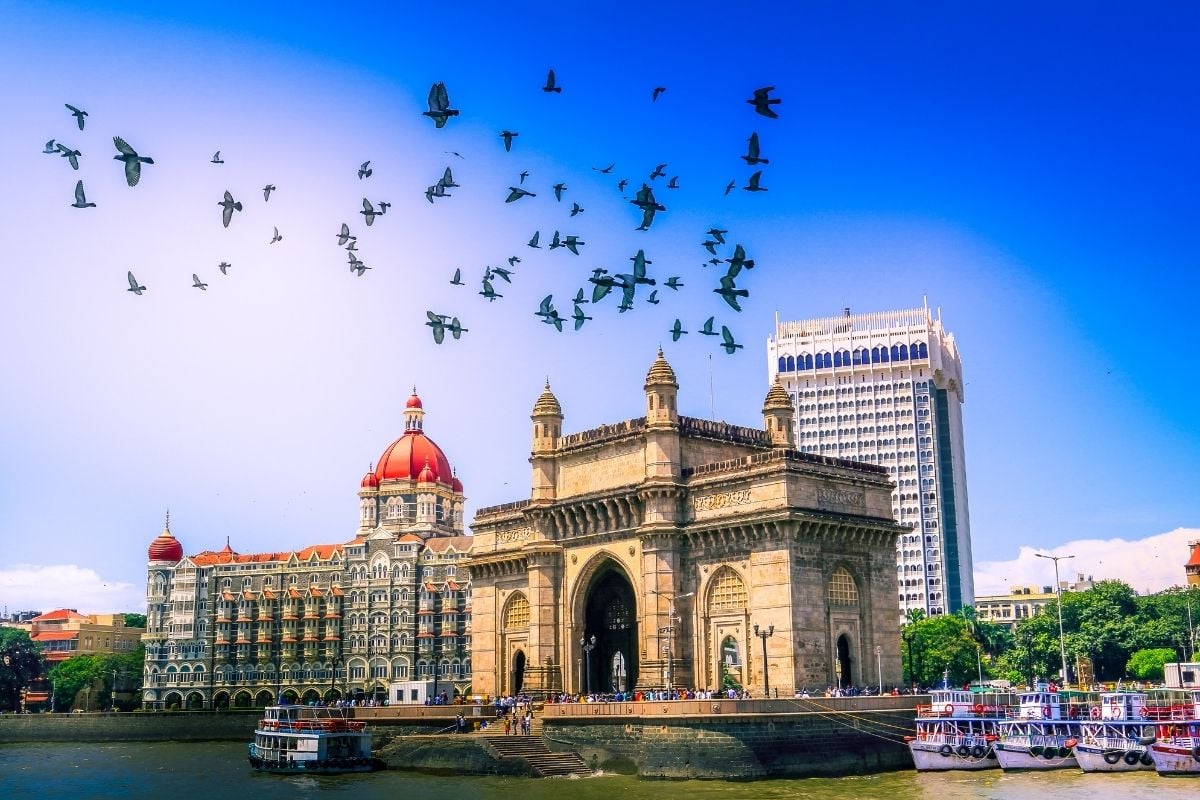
x,y
336,725
961,711
1171,713
1110,742
955,738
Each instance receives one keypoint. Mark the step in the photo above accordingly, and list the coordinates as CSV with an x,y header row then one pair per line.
x,y
533,750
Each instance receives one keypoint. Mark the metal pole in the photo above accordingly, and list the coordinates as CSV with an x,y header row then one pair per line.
x,y
1062,641
764,635
879,666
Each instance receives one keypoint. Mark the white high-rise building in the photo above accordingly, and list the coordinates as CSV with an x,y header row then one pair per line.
x,y
886,388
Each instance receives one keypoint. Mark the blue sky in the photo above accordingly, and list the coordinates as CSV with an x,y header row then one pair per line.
x,y
1030,169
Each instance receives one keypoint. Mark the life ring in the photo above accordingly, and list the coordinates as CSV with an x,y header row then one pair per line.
x,y
963,751
1095,713
1112,757
949,710
946,751
1045,712
978,751
977,708
1145,713
1069,743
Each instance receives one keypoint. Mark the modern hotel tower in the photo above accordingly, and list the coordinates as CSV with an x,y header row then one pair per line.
x,y
886,388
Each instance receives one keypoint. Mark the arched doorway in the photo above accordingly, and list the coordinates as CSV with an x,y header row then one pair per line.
x,y
518,671
610,616
242,700
311,696
173,700
264,699
195,701
843,662
221,700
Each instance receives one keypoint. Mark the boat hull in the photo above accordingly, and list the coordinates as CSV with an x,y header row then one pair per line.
x,y
1098,759
1175,759
333,767
1016,757
933,758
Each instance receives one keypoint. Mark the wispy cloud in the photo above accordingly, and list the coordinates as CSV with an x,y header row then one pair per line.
x,y
26,587
1150,564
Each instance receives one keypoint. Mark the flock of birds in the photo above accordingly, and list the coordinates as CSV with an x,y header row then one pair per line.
x,y
604,283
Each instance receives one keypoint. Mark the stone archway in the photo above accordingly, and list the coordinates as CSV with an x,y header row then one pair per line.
x,y
844,677
242,700
518,672
173,700
311,696
221,700
195,701
610,615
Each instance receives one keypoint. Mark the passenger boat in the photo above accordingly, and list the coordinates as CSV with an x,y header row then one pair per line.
x,y
1043,730
1176,749
1113,738
957,730
311,740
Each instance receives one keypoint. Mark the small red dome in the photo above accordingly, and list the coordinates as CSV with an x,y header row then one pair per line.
x,y
165,548
406,456
414,402
426,475
369,481
456,485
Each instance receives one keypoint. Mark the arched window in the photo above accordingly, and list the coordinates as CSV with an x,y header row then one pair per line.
x,y
842,590
516,615
726,591
783,364
808,361
904,352
837,358
883,354
895,352
920,350
791,364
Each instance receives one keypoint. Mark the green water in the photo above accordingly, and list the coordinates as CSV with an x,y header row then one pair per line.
x,y
177,771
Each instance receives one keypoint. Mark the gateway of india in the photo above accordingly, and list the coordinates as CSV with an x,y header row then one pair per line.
x,y
672,551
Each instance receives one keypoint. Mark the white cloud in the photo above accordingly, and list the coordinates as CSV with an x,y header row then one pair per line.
x,y
33,587
1150,564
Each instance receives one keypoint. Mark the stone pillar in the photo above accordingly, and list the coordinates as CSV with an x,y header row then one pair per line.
x,y
661,583
543,668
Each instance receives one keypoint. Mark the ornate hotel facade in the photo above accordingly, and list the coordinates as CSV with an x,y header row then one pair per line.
x,y
668,550
328,621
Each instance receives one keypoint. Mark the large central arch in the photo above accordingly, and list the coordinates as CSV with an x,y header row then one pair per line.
x,y
610,615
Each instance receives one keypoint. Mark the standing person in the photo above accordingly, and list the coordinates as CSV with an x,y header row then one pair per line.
x,y
507,726
528,722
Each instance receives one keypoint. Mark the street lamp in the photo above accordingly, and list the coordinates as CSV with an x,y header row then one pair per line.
x,y
113,672
1062,641
879,666
764,635
588,644
669,630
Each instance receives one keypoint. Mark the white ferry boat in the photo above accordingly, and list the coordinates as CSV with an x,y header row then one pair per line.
x,y
1042,732
957,730
311,740
1115,735
1176,749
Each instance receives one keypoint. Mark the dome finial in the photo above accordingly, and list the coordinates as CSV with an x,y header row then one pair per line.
x,y
167,524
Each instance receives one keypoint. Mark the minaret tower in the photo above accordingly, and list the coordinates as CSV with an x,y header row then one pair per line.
x,y
777,417
547,419
662,420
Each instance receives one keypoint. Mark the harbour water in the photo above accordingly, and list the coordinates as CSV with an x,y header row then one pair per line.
x,y
183,770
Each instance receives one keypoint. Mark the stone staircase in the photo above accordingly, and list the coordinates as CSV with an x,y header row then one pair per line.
x,y
532,749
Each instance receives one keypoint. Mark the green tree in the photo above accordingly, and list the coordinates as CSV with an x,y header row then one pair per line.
x,y
21,662
938,646
1147,665
135,620
71,676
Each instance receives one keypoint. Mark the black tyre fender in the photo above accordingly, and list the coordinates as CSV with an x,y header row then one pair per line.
x,y
946,751
1112,757
978,751
962,751
1132,757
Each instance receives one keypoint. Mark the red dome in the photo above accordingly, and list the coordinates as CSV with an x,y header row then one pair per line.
x,y
406,457
369,481
165,548
426,475
414,402
456,485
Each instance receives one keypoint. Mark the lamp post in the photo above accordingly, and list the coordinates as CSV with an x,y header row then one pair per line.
x,y
669,630
879,666
588,644
113,672
765,634
1062,641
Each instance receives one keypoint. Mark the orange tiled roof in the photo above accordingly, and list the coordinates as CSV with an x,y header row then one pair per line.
x,y
294,593
336,591
57,614
54,636
227,556
408,538
440,544
1194,561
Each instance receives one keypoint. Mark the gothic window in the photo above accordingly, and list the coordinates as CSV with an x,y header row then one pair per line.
x,y
726,591
516,616
842,589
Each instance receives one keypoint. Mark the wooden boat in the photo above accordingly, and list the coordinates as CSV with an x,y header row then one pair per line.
x,y
311,740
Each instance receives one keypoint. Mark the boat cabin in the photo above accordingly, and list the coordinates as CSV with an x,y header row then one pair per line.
x,y
1118,706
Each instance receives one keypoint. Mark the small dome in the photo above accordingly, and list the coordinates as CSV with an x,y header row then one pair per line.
x,y
370,480
414,401
165,547
547,404
777,398
456,484
660,373
426,475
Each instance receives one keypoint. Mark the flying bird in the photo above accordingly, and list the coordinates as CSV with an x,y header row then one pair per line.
x,y
514,260
216,159
533,242
276,237
710,245
133,284
438,323
674,283
727,341
507,136
577,209
730,294
133,162
364,170
50,148
657,91
751,156
658,172
707,328
572,243
677,331
439,105
77,113
579,316
369,212
488,291
199,284
455,327
555,241
753,186
653,298
516,193
504,274
344,236
546,307
457,279
558,190
223,266
383,207
523,176
228,206
270,187
645,201
621,184
717,234
673,183
80,199
762,104
579,298
550,84
353,246
738,262
729,186
357,266
447,181
72,156
607,169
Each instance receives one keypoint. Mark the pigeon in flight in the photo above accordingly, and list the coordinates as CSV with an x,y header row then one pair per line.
x,y
383,207
515,193
555,241
579,298
653,298
533,242
729,186
453,153
216,159
77,113
438,323
270,187
577,209
677,331
70,155
523,176
357,265
751,156
572,243
707,328
550,84
621,184
710,245
658,172
673,183
606,170
368,211
223,266
276,237
514,260
80,199
457,279
488,291
738,262
753,186
645,201
133,162
439,105
639,268
717,234
507,136
727,341
447,181
762,104
674,282
579,316
657,91
199,284
228,206
133,284
546,307
364,170
558,190
455,327
344,236
730,294
437,190
353,246
50,148
504,274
